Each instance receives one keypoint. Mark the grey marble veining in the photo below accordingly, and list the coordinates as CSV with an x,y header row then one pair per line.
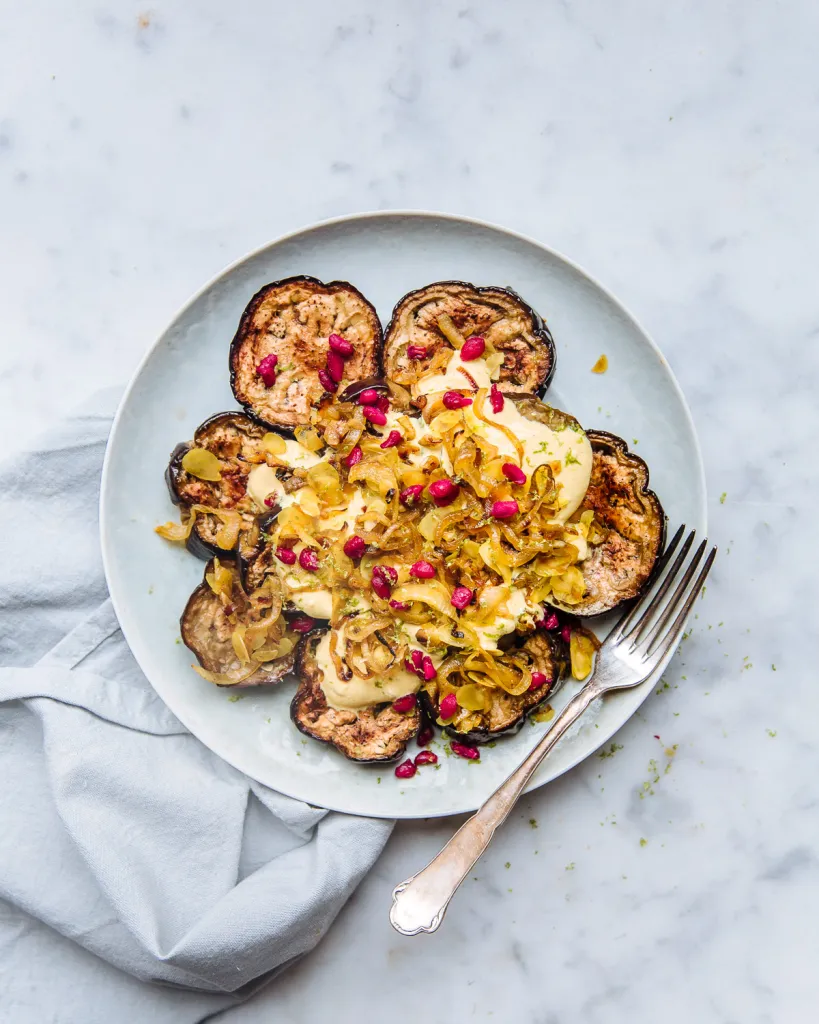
x,y
670,149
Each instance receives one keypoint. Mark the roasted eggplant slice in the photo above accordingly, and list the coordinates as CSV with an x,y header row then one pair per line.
x,y
506,713
618,569
370,734
207,631
496,314
232,437
293,320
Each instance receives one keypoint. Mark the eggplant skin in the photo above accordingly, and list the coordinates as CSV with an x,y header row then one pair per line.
x,y
498,314
548,654
370,735
206,631
293,319
622,566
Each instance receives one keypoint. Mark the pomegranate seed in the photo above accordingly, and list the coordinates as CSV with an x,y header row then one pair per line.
x,y
406,770
395,437
472,348
470,753
455,400
448,706
566,634
270,501
327,381
513,473
461,597
355,546
335,365
428,670
422,570
539,679
369,396
375,416
286,556
407,663
425,757
443,492
411,494
387,572
302,624
383,403
404,704
400,606
425,735
504,509
340,345
496,398
417,659
549,622
267,370
353,458
383,577
308,559
416,352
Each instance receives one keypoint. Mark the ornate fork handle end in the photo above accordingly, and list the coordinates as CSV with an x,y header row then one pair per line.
x,y
408,916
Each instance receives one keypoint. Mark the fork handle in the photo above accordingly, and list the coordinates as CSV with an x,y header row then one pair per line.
x,y
419,903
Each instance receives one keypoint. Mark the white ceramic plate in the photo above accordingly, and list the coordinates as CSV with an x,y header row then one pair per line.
x,y
184,379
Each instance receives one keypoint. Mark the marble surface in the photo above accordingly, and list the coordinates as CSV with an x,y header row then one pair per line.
x,y
670,149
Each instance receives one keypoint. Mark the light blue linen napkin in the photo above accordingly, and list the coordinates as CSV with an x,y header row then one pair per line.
x,y
122,836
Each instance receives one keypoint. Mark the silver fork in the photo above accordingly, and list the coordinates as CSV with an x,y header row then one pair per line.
x,y
640,642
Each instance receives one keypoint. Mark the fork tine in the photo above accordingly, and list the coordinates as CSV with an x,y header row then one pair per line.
x,y
632,612
645,637
659,647
656,599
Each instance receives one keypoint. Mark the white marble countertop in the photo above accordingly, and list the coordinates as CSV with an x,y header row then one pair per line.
x,y
671,150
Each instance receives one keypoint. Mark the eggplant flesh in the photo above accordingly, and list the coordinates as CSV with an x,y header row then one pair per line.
x,y
206,630
496,314
370,735
293,319
622,566
232,437
547,653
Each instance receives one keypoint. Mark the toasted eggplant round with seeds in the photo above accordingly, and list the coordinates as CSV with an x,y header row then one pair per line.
x,y
369,735
207,631
496,314
618,569
293,320
232,437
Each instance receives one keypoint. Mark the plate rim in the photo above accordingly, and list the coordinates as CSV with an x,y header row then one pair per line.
x,y
106,544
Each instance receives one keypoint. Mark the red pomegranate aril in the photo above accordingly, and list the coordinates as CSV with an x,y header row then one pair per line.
x,y
375,415
387,571
416,352
472,348
383,402
428,670
470,753
369,396
355,546
448,706
411,494
267,370
302,623
504,509
407,663
422,570
400,606
461,597
335,365
566,634
340,345
405,703
425,757
443,492
270,501
395,437
513,473
496,398
539,679
455,400
353,457
308,559
425,735
406,769
380,587
549,621
417,659
327,381
286,555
